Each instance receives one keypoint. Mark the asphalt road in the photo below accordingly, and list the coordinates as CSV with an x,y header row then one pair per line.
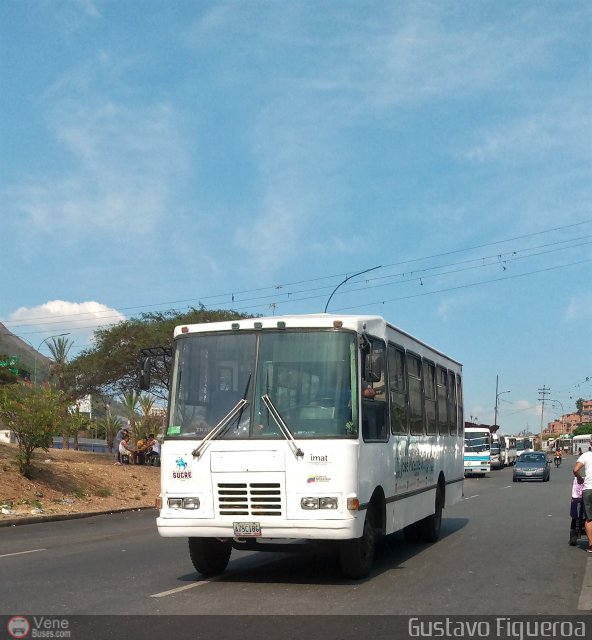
x,y
504,550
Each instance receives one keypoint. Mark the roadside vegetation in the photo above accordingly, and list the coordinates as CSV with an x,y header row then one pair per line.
x,y
108,372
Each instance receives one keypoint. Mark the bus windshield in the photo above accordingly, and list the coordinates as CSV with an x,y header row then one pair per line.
x,y
476,442
307,375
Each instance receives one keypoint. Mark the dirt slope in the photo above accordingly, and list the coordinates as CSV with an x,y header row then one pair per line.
x,y
66,482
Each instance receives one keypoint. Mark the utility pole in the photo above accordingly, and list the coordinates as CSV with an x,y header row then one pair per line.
x,y
497,395
544,393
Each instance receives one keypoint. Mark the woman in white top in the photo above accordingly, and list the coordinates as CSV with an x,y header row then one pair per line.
x,y
154,454
125,451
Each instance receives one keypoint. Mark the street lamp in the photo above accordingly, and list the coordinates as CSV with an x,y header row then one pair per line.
x,y
59,335
562,415
497,395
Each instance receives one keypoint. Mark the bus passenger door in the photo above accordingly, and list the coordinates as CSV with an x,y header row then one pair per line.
x,y
374,401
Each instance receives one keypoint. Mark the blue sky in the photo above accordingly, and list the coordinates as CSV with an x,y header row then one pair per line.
x,y
251,155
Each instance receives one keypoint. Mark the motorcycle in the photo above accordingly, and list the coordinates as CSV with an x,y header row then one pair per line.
x,y
557,461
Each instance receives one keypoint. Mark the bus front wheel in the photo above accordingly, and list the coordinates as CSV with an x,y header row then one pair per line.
x,y
356,557
210,556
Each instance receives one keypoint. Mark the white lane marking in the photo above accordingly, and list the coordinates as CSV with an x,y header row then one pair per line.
x,y
258,564
162,594
585,601
475,496
18,553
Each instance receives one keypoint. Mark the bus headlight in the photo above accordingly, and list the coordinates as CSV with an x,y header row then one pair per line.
x,y
323,502
183,503
328,503
309,503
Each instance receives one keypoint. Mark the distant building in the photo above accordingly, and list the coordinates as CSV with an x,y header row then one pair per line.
x,y
569,422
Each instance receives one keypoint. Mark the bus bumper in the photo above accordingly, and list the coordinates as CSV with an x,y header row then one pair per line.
x,y
475,469
285,530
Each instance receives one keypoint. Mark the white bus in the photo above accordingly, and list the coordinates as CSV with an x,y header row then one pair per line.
x,y
477,451
498,451
305,428
510,458
523,445
581,442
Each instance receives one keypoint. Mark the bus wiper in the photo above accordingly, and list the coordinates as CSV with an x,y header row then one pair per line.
x,y
275,414
237,410
227,419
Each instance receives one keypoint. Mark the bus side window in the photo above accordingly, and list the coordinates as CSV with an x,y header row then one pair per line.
x,y
443,406
416,416
459,403
397,389
429,387
452,408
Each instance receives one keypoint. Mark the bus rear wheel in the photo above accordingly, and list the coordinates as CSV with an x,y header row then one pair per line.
x,y
412,532
432,524
356,557
210,556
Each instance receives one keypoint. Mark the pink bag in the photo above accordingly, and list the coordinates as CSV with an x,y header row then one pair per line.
x,y
577,488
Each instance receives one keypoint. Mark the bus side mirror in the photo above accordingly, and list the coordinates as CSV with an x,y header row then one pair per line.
x,y
371,361
145,374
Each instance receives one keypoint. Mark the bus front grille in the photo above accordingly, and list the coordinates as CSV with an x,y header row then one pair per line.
x,y
249,499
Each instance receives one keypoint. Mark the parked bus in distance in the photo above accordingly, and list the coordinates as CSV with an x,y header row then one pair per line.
x,y
297,429
523,445
477,453
498,451
510,456
581,442
565,443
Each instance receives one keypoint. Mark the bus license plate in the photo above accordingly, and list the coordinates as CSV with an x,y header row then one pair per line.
x,y
246,529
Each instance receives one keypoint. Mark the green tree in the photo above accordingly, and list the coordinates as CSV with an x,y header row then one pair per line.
x,y
150,423
111,425
34,415
75,422
59,348
130,402
583,429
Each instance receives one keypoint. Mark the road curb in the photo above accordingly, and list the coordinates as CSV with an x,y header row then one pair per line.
x,y
66,516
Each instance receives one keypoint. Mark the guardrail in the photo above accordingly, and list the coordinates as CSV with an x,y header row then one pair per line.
x,y
84,444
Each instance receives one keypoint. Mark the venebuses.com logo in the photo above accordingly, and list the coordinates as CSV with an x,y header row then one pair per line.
x,y
18,627
38,627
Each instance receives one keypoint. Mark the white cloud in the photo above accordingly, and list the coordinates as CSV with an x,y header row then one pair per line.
x,y
79,319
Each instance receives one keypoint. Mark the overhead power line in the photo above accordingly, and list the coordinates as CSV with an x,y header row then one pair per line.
x,y
280,294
